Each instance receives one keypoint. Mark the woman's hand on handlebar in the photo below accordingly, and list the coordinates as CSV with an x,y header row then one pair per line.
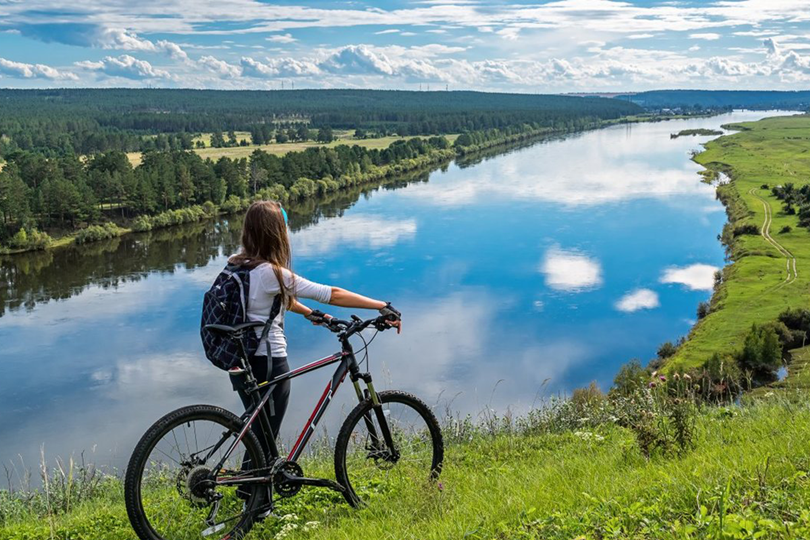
x,y
318,318
393,317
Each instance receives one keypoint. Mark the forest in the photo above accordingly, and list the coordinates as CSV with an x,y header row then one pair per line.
x,y
721,99
65,166
60,122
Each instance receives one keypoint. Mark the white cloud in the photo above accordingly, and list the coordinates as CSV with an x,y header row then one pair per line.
x,y
570,271
220,68
638,300
282,38
278,67
120,39
125,66
708,36
20,70
540,61
173,51
697,277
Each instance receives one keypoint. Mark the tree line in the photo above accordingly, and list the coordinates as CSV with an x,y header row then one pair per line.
x,y
61,193
59,122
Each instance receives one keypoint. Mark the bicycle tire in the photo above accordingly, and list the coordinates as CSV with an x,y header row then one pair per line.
x,y
137,463
355,416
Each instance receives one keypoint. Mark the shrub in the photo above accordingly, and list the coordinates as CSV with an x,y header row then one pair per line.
x,y
233,204
764,186
662,416
761,355
747,228
142,223
666,350
703,309
94,233
630,379
30,239
785,229
588,397
276,192
210,209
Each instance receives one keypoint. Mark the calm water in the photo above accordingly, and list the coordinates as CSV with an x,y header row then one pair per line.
x,y
519,275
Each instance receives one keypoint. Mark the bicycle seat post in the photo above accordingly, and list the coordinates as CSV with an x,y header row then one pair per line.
x,y
246,368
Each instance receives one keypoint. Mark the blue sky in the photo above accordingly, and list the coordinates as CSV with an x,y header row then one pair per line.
x,y
555,46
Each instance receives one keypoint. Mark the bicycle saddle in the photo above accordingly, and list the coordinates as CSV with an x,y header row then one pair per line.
x,y
225,329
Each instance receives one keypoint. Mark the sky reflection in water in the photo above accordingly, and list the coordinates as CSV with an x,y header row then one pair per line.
x,y
523,275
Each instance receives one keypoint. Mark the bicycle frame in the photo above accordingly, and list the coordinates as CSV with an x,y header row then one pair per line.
x,y
348,365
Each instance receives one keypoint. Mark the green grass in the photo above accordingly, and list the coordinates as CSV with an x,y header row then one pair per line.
x,y
748,476
772,151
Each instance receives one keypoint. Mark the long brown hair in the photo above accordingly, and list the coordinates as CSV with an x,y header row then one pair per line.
x,y
265,240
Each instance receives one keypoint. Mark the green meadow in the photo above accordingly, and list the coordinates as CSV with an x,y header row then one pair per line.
x,y
759,283
570,473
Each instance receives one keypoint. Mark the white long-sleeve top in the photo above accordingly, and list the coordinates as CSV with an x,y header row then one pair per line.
x,y
263,290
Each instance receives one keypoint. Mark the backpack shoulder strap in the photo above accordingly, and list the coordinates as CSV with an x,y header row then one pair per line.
x,y
273,314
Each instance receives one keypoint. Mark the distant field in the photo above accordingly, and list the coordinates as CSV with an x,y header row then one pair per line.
x,y
758,285
237,152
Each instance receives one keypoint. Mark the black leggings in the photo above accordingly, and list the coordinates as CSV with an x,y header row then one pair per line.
x,y
264,371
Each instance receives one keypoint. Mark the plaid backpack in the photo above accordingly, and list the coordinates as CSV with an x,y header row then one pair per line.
x,y
226,303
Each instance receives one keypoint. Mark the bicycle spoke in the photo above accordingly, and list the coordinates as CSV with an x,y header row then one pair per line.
x,y
373,468
173,502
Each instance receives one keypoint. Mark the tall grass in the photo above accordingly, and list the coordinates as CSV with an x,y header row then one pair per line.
x,y
574,468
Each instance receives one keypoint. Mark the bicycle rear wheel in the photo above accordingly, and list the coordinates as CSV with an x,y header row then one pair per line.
x,y
364,463
164,485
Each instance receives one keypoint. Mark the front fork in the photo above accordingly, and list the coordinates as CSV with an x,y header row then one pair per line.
x,y
386,445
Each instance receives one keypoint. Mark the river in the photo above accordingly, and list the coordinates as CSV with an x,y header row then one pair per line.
x,y
520,275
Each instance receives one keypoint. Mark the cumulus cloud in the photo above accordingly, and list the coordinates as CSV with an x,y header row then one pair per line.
x,y
220,68
125,66
570,271
557,67
638,300
696,277
282,38
20,70
358,59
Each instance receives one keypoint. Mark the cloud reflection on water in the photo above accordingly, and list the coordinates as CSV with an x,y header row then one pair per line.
x,y
570,271
696,277
638,300
357,231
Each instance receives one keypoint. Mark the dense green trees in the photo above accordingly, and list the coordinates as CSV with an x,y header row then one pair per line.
x,y
67,193
87,121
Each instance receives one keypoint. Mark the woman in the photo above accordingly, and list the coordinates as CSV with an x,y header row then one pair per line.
x,y
266,250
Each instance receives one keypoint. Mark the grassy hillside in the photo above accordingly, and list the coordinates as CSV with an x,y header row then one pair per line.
x,y
760,283
746,476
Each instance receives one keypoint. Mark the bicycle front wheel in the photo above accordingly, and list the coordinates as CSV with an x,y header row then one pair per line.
x,y
367,466
167,489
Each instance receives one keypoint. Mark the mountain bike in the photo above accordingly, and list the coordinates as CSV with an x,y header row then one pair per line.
x,y
201,471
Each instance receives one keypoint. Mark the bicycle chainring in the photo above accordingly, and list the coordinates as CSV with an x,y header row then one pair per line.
x,y
281,484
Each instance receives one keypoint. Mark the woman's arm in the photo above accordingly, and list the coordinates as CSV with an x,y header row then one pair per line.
x,y
300,308
343,298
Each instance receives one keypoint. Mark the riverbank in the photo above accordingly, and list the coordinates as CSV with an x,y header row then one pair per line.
x,y
484,141
551,476
769,252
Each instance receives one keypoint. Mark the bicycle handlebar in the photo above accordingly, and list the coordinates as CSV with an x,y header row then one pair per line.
x,y
357,324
